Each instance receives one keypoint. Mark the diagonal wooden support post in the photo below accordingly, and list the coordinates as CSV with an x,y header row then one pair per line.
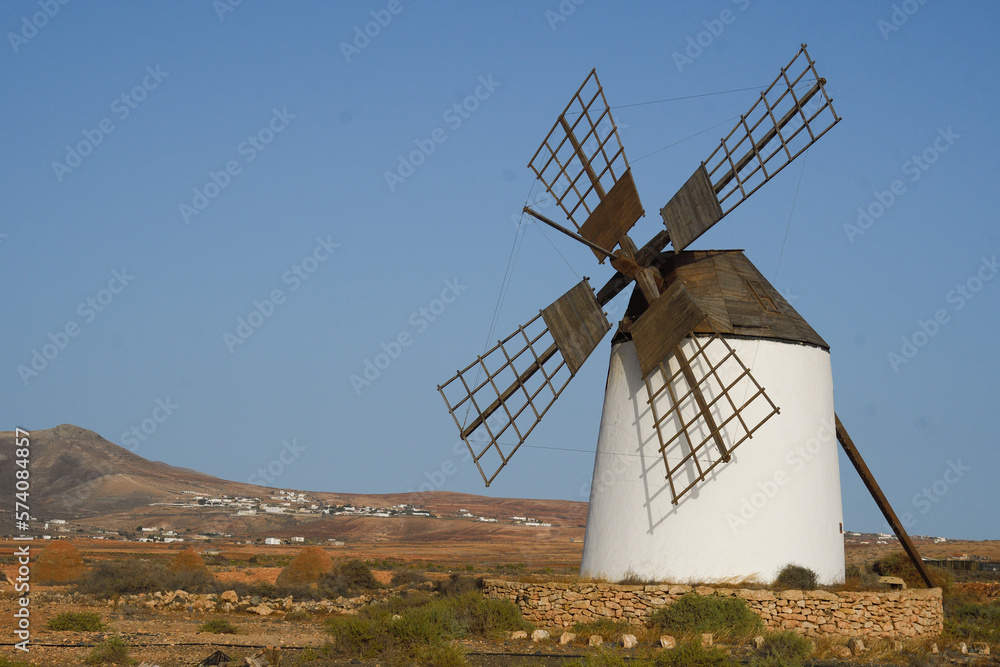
x,y
882,502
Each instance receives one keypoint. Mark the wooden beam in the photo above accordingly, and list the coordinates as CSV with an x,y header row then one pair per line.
x,y
584,160
768,136
703,407
883,503
509,391
576,237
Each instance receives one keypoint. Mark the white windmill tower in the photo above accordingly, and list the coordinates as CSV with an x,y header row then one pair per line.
x,y
703,336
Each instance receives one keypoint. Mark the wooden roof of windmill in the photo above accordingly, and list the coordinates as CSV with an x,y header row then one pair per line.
x,y
734,296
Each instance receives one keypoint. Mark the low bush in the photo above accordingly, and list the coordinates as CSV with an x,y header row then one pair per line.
x,y
407,578
130,577
219,626
727,618
419,633
457,584
114,651
898,564
267,590
973,622
13,662
693,654
796,577
605,627
787,646
76,621
348,580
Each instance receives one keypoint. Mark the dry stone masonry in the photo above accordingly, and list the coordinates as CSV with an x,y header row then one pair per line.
x,y
908,613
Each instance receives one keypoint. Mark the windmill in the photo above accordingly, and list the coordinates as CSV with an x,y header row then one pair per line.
x,y
707,357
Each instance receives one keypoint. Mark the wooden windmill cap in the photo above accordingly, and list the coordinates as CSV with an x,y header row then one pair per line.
x,y
737,299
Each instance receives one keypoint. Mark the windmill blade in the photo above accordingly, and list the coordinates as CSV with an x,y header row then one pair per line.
x,y
582,164
704,403
509,389
779,126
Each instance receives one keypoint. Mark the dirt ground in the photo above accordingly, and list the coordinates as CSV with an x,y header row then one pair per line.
x,y
171,638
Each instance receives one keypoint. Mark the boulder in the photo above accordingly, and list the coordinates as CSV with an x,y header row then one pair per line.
x,y
262,609
595,640
629,641
566,638
539,635
519,634
707,640
666,641
841,652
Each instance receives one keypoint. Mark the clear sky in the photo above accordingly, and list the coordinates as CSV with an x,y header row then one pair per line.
x,y
171,169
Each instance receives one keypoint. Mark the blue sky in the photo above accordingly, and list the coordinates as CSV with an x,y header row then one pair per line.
x,y
172,168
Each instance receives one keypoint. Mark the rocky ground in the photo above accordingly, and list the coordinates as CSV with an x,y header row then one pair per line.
x,y
162,629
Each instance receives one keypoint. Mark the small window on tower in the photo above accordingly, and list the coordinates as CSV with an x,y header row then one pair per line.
x,y
763,298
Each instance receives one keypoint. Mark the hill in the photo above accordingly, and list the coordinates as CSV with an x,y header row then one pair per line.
x,y
79,476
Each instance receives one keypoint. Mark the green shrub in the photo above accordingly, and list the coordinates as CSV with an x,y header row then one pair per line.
x,y
693,654
298,615
219,626
114,651
76,621
132,576
796,577
787,645
861,579
726,618
898,564
604,658
394,634
348,580
407,578
974,622
604,627
457,584
12,662
444,655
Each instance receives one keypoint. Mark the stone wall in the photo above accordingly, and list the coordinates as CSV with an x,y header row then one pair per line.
x,y
909,613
